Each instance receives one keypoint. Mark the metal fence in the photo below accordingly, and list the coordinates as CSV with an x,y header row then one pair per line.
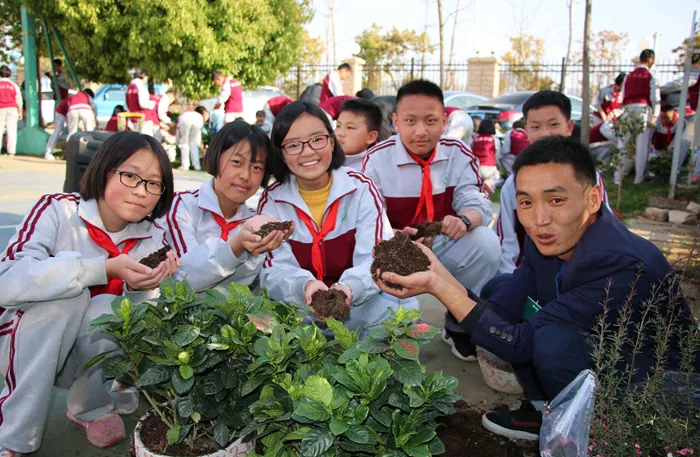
x,y
386,79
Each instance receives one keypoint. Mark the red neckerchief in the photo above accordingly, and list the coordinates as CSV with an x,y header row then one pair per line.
x,y
226,227
318,236
426,191
115,285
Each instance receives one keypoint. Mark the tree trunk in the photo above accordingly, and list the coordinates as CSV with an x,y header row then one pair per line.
x,y
570,4
585,119
454,34
425,40
441,25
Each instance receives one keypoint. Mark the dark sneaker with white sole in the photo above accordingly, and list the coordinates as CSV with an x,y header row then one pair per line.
x,y
522,424
461,345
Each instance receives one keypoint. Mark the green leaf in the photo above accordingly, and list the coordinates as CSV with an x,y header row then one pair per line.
x,y
102,322
436,446
407,371
341,332
338,427
372,346
316,442
251,384
222,435
297,434
185,407
423,331
318,389
93,361
417,451
155,375
263,323
358,434
406,349
351,353
185,335
181,385
173,434
186,371
312,410
423,435
236,290
248,332
116,366
383,416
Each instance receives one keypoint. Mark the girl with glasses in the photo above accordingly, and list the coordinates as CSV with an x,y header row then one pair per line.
x,y
70,257
338,215
212,228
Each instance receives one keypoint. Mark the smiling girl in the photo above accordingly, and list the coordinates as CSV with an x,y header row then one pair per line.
x,y
338,215
69,258
212,228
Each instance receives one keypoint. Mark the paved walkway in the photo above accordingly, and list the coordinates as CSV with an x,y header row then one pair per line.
x,y
26,179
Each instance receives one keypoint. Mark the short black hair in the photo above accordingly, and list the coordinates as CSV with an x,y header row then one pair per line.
x,y
646,55
5,72
486,126
201,110
260,113
284,121
620,78
215,74
519,124
559,149
365,93
90,93
420,87
666,107
367,110
345,66
232,133
57,62
548,98
116,150
118,109
140,73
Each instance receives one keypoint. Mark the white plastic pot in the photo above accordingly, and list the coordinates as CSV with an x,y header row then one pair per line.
x,y
498,375
236,449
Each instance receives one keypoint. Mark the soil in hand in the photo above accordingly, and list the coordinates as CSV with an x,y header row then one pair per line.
x,y
153,436
429,229
154,259
398,255
330,303
270,227
463,433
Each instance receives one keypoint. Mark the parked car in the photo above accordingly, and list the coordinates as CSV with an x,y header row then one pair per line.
x,y
508,108
253,101
463,100
110,95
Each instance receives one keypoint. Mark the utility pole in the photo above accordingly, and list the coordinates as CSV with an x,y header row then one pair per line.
x,y
441,26
335,62
585,115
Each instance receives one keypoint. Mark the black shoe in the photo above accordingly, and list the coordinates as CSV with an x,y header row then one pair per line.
x,y
522,424
461,345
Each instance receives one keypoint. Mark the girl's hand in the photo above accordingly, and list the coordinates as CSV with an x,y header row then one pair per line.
x,y
311,287
346,290
136,275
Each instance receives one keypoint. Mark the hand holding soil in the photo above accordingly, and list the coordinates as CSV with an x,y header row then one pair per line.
x,y
270,227
154,259
398,255
330,303
426,232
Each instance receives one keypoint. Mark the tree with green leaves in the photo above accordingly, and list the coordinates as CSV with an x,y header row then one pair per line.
x,y
183,40
525,60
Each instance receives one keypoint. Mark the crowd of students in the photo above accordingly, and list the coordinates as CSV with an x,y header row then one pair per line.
x,y
345,191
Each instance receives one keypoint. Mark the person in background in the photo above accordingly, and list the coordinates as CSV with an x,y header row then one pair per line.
x,y
159,114
477,123
113,123
332,105
273,107
63,84
365,93
230,97
333,82
486,147
10,109
59,125
459,125
139,101
663,140
609,100
189,136
261,121
81,112
641,100
514,143
357,129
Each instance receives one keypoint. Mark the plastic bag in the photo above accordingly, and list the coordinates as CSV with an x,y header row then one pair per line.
x,y
566,426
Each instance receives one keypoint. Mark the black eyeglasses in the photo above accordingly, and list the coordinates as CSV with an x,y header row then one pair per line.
x,y
133,180
316,143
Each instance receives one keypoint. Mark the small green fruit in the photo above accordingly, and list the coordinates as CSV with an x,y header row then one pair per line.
x,y
183,357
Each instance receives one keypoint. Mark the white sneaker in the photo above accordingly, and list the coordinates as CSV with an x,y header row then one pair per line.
x,y
126,398
49,156
4,452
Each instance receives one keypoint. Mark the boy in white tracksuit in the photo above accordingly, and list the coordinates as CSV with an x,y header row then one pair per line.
x,y
55,280
59,124
189,136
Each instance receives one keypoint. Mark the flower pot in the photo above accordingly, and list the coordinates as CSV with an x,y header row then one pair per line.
x,y
498,375
236,449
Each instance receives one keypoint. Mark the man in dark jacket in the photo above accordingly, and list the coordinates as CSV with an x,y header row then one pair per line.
x,y
578,255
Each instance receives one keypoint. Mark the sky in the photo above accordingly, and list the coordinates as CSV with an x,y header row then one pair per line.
x,y
485,25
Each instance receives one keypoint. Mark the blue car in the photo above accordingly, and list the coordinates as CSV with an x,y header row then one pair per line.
x,y
109,96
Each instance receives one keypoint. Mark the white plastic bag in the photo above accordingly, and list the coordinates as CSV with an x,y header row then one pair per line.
x,y
566,426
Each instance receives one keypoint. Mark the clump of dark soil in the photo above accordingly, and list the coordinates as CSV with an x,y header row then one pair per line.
x,y
270,227
398,255
463,433
330,303
428,229
153,436
154,259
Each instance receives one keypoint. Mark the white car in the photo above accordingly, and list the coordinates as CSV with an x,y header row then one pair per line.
x,y
253,101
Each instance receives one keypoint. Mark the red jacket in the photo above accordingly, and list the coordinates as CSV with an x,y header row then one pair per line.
x,y
8,94
333,104
234,104
484,148
518,141
112,124
637,87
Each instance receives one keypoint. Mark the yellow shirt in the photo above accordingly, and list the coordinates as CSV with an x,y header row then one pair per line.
x,y
316,201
